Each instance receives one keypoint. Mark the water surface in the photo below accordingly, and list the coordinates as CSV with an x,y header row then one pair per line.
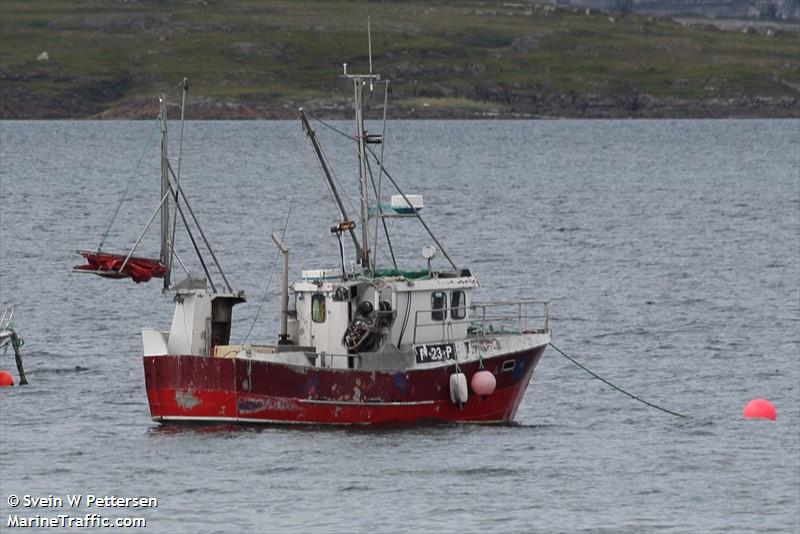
x,y
670,251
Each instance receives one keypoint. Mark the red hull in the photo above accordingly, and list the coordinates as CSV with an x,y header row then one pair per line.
x,y
197,388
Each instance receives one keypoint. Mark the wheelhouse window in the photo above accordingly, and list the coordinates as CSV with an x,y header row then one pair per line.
x,y
318,308
438,306
458,305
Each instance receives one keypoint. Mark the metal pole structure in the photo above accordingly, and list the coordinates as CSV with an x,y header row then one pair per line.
x,y
146,228
312,136
383,222
168,274
359,80
380,181
363,191
7,332
18,357
197,248
165,247
202,235
283,338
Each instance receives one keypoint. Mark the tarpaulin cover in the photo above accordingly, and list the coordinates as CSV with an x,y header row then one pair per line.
x,y
109,265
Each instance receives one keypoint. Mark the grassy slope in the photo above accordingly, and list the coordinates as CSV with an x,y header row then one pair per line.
x,y
465,56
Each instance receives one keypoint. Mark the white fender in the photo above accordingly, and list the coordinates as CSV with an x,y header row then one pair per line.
x,y
458,388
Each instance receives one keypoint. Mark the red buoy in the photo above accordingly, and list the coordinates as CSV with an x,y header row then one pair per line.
x,y
6,379
759,409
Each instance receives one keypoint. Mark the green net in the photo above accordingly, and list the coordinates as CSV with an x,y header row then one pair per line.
x,y
410,275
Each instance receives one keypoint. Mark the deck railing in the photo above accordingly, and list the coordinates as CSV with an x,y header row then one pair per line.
x,y
519,316
510,316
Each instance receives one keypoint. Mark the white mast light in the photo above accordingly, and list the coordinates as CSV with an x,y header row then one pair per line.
x,y
428,252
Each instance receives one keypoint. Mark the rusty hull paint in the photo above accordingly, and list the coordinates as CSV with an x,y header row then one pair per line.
x,y
186,388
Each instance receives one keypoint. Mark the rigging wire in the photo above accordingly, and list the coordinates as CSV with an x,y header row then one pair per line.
x,y
128,185
631,395
383,172
383,220
200,231
274,264
335,179
136,170
335,129
177,86
380,178
194,241
416,212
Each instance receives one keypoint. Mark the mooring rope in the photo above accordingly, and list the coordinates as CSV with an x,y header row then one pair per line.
x,y
631,395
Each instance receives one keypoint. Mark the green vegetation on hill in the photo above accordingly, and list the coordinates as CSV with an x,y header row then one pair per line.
x,y
248,58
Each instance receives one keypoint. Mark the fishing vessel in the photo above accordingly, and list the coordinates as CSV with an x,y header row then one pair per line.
x,y
359,344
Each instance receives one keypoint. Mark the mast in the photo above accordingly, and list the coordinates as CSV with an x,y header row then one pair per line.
x,y
165,255
363,191
362,139
359,80
171,235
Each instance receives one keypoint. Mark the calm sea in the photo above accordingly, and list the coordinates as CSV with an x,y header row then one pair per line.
x,y
670,252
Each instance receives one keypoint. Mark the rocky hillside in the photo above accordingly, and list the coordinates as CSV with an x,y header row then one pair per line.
x,y
763,10
254,59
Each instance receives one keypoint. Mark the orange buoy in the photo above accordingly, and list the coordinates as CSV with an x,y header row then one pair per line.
x,y
6,379
759,409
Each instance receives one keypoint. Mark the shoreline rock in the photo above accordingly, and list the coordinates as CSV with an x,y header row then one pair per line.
x,y
631,106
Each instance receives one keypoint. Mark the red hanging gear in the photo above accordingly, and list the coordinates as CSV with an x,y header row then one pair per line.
x,y
111,266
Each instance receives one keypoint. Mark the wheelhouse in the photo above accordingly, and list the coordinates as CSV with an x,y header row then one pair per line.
x,y
348,316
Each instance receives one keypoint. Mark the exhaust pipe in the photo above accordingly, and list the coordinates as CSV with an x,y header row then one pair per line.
x,y
283,338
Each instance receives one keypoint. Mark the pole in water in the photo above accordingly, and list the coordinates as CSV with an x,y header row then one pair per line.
x,y
9,335
16,342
